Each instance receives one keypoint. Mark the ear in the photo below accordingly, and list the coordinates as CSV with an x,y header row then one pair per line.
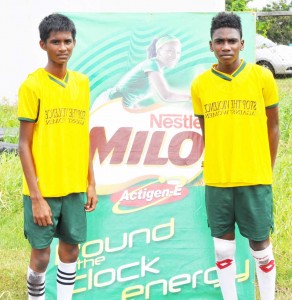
x,y
211,46
43,45
242,45
158,52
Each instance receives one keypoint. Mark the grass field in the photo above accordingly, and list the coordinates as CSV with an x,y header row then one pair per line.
x,y
14,249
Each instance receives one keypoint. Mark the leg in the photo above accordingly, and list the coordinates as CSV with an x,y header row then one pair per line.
x,y
220,212
66,274
71,233
255,220
39,260
226,267
265,268
68,253
40,238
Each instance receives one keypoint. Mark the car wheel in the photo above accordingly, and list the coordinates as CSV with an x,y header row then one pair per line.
x,y
266,65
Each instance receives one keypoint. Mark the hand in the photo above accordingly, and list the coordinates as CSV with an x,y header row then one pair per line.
x,y
42,214
91,199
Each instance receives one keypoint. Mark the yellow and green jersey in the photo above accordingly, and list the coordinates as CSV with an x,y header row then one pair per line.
x,y
234,107
60,147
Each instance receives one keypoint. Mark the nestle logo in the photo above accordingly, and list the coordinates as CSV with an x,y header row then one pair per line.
x,y
174,121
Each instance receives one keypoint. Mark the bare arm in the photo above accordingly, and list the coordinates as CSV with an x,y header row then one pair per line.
x,y
41,210
273,131
160,86
91,193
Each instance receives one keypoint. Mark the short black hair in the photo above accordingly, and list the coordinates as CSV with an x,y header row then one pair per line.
x,y
56,22
223,20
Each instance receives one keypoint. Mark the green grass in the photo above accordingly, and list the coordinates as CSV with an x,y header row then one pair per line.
x,y
283,193
282,187
8,119
14,249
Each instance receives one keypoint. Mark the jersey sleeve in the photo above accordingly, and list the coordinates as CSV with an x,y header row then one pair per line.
x,y
270,89
151,65
28,103
196,100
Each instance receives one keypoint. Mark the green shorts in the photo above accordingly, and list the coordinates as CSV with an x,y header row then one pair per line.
x,y
69,221
251,207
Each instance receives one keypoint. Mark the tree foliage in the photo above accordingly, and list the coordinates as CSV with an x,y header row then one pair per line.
x,y
228,4
236,5
276,28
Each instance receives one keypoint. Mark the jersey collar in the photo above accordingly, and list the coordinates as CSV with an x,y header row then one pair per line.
x,y
63,82
227,76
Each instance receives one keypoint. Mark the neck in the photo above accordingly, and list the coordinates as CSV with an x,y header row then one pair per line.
x,y
228,69
58,71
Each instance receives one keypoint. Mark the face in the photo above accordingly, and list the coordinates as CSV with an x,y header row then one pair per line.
x,y
169,54
226,44
59,47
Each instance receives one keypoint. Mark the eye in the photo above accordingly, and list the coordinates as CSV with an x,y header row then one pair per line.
x,y
218,42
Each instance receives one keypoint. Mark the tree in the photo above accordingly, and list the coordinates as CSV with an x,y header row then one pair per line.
x,y
276,28
236,5
240,5
282,5
228,4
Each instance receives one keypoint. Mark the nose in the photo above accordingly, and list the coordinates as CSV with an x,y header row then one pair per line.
x,y
174,55
63,47
226,46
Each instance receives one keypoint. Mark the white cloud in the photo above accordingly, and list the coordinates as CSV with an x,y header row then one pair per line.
x,y
259,4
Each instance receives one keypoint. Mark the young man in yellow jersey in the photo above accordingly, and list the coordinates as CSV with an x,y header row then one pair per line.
x,y
58,185
236,103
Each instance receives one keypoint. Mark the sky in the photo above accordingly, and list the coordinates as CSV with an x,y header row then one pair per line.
x,y
20,53
259,4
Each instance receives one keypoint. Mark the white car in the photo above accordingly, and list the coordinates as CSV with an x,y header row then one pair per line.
x,y
277,58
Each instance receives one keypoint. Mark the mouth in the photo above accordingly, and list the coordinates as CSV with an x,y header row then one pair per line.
x,y
226,55
171,64
62,56
173,60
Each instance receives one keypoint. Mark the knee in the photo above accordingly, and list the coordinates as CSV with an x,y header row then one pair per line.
x,y
258,246
39,259
68,253
224,248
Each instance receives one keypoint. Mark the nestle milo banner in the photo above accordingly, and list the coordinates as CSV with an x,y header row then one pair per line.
x,y
148,238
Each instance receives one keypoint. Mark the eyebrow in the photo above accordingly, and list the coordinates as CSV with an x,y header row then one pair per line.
x,y
59,39
228,39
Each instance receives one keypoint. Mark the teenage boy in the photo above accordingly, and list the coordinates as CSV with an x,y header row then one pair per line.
x,y
54,152
236,103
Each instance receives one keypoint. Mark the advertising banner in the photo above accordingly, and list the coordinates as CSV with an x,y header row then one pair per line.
x,y
148,237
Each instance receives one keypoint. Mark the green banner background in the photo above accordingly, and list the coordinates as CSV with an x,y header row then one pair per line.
x,y
162,251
